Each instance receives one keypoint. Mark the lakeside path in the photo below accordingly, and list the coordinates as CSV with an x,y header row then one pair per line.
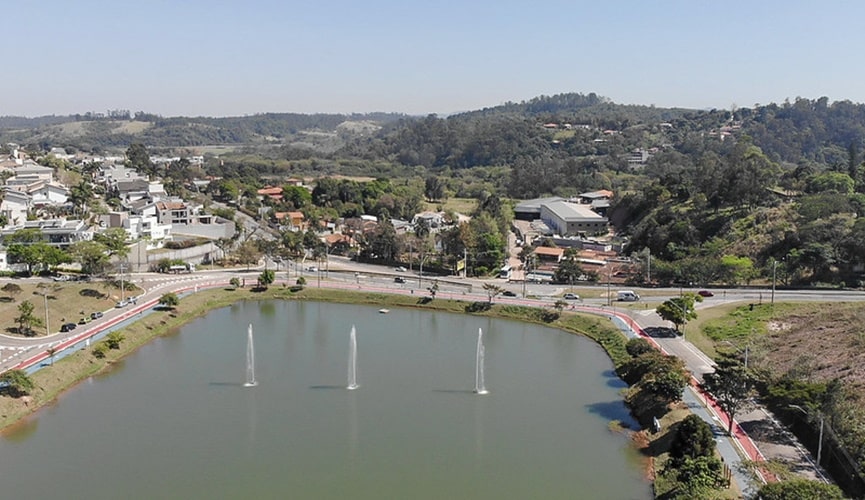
x,y
732,449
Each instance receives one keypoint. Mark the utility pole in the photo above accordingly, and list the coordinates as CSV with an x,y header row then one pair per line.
x,y
122,290
649,266
47,325
774,269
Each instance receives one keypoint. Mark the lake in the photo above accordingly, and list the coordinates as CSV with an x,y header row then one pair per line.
x,y
173,420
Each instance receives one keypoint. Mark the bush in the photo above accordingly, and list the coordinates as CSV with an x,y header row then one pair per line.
x,y
114,339
301,281
99,350
693,439
636,347
800,489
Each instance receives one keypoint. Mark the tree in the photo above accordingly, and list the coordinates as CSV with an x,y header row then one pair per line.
x,y
248,253
569,270
26,319
679,310
169,300
800,489
434,188
493,290
17,383
638,346
266,278
730,384
694,438
115,241
92,255
138,158
113,340
235,282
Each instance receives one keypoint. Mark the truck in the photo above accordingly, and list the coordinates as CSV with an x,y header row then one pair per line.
x,y
627,296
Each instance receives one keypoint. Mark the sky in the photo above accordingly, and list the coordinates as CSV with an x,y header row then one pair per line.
x,y
230,58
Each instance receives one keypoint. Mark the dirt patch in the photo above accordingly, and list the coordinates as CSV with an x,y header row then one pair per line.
x,y
825,344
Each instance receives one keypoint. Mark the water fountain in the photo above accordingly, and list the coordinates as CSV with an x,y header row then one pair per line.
x,y
352,361
250,360
480,388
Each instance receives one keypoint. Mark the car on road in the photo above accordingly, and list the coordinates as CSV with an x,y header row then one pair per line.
x,y
122,304
62,277
96,315
312,269
705,293
399,279
68,327
84,320
571,296
508,293
400,269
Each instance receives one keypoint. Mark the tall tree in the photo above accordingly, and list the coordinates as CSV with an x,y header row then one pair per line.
x,y
26,319
138,158
730,384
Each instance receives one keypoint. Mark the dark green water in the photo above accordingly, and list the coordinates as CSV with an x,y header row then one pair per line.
x,y
173,420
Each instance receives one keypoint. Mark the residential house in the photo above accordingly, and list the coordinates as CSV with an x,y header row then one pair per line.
x,y
272,192
34,171
173,212
58,232
15,206
47,193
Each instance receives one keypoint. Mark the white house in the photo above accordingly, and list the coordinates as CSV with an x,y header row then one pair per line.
x,y
48,193
34,171
15,206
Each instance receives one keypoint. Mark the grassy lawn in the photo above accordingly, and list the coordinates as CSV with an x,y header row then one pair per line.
x,y
67,301
464,206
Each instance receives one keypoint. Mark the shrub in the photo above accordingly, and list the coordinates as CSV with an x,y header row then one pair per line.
x,y
99,350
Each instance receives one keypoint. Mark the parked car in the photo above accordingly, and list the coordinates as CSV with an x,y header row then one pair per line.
x,y
572,296
705,293
399,279
62,277
312,269
121,304
508,293
96,315
400,269
68,327
85,320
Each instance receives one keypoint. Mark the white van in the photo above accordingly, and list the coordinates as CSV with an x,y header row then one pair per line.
x,y
627,296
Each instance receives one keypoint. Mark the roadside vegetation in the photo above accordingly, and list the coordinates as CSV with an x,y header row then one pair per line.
x,y
805,362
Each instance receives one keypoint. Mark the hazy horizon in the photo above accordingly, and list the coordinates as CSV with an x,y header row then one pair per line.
x,y
223,58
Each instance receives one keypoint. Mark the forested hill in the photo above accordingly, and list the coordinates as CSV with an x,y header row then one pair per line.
x,y
119,129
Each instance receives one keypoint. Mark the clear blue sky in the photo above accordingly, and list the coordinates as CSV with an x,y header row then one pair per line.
x,y
219,57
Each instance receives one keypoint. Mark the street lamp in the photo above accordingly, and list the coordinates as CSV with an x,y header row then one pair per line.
x,y
820,439
747,348
684,315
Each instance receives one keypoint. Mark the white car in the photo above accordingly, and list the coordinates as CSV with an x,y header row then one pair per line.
x,y
400,269
312,269
571,296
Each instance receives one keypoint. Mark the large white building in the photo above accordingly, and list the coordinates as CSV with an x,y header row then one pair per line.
x,y
563,217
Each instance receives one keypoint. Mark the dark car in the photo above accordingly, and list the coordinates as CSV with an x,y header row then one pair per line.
x,y
68,327
399,279
96,315
508,293
705,293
